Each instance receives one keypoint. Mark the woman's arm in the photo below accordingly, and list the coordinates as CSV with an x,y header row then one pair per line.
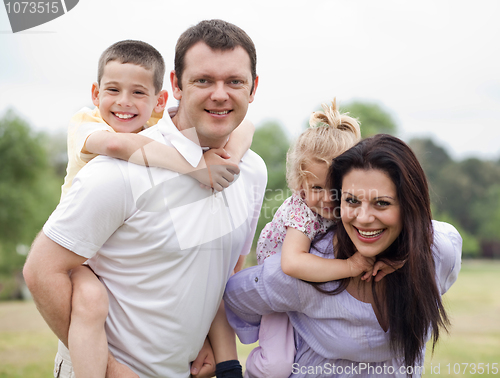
x,y
296,261
257,291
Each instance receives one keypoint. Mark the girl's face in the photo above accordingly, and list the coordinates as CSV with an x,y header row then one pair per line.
x,y
370,210
315,192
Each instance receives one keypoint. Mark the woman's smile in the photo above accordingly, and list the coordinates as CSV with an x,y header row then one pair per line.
x,y
370,210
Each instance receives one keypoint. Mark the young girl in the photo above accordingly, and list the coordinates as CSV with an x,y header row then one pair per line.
x,y
307,213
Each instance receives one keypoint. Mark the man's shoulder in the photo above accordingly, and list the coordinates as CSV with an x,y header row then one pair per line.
x,y
105,172
252,158
256,164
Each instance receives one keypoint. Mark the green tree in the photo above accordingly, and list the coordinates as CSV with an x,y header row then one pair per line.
x,y
470,244
29,190
372,117
431,156
467,192
271,143
487,214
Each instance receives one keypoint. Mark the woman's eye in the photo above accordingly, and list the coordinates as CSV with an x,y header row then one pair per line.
x,y
350,200
383,203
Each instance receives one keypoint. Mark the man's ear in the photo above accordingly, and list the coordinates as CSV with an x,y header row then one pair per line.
x,y
95,94
176,90
255,84
162,101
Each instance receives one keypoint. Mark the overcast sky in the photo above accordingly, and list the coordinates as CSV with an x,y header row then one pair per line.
x,y
434,65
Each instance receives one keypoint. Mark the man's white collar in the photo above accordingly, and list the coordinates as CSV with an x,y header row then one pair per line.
x,y
190,150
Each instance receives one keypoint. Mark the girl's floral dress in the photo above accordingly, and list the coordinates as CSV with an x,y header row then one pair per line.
x,y
292,213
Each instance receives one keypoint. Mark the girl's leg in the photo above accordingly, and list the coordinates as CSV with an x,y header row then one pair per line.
x,y
274,356
88,345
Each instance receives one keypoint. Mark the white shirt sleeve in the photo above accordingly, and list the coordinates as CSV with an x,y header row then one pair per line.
x,y
94,208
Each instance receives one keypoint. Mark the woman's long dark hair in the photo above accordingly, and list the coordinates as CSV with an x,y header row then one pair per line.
x,y
412,301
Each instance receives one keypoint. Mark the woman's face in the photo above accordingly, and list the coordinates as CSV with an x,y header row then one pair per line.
x,y
370,210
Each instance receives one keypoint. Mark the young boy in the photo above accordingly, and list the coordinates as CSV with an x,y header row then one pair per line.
x,y
128,98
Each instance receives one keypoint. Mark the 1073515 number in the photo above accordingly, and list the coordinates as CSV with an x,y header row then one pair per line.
x,y
32,7
473,368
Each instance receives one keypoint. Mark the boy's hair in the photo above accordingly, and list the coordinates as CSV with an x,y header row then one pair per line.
x,y
218,35
330,134
138,53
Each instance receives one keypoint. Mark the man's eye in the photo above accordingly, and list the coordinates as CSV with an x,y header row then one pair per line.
x,y
202,81
139,92
112,89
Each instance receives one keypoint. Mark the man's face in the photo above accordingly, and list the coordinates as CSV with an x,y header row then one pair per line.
x,y
216,91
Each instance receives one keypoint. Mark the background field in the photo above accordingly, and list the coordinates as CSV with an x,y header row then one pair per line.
x,y
27,346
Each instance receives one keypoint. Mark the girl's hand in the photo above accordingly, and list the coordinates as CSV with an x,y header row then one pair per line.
x,y
382,269
359,264
215,170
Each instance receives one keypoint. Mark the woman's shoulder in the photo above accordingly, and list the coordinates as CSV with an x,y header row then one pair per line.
x,y
447,248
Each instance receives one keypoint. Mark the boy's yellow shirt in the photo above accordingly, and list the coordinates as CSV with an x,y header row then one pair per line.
x,y
82,124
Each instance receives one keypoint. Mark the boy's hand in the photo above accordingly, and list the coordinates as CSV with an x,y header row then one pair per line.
x,y
215,170
204,365
358,264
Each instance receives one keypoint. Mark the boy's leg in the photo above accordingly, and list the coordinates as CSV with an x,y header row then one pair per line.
x,y
87,340
274,356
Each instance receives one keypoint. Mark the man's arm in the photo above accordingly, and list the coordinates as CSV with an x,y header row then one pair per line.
x,y
46,273
240,263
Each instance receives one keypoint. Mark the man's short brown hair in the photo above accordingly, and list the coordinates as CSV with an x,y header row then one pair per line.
x,y
218,35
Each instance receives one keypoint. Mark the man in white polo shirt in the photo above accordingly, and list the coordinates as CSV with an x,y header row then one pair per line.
x,y
163,247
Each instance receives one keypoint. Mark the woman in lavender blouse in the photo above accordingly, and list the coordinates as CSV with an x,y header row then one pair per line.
x,y
351,327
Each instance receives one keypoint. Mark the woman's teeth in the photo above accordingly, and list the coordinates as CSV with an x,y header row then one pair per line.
x,y
370,234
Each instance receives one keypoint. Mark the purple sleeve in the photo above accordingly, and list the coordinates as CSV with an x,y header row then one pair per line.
x,y
258,291
447,248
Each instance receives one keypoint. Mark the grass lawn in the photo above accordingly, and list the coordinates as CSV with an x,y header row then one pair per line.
x,y
473,304
27,346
